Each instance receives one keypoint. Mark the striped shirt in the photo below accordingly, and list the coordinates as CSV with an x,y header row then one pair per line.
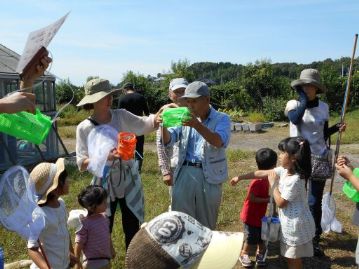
x,y
95,237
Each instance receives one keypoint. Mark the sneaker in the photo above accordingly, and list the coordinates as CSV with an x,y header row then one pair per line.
x,y
260,261
318,251
245,260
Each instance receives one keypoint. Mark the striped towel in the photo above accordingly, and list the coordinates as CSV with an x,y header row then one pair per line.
x,y
123,179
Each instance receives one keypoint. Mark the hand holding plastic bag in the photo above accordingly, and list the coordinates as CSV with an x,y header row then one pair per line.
x,y
101,140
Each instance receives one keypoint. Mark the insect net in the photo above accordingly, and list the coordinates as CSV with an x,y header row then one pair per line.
x,y
18,210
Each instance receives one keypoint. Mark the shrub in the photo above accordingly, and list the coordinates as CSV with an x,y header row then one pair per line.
x,y
256,117
65,90
72,115
67,132
273,108
234,114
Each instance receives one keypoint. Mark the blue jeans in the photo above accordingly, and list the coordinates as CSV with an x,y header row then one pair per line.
x,y
316,189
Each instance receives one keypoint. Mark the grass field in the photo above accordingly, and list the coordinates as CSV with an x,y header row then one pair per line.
x,y
156,202
351,135
339,248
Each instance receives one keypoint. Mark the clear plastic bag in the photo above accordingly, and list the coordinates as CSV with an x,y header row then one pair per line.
x,y
101,140
270,230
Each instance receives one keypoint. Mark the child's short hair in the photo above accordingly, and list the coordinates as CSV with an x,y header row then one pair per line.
x,y
266,158
92,196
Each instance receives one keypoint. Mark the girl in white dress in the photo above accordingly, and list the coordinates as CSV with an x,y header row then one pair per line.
x,y
288,187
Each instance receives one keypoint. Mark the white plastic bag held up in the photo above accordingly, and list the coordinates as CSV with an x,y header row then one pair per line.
x,y
101,140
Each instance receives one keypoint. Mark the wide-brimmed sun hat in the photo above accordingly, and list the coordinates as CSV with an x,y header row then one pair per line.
x,y
175,239
95,90
45,177
309,76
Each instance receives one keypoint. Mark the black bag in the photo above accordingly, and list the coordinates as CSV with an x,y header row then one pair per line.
x,y
322,166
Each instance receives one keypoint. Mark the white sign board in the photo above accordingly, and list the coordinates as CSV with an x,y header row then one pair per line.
x,y
36,40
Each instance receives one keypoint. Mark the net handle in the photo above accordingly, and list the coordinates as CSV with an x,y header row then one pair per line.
x,y
344,108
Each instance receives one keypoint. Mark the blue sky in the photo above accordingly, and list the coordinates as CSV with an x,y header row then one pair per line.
x,y
108,38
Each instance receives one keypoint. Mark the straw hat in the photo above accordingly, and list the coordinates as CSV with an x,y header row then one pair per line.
x,y
175,239
45,177
95,90
309,76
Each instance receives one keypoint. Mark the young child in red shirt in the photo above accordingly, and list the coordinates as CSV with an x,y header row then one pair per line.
x,y
255,207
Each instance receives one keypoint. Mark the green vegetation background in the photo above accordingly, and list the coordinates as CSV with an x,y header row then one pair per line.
x,y
260,87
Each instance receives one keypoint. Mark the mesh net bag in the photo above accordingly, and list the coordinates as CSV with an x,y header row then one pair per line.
x,y
101,140
329,222
18,210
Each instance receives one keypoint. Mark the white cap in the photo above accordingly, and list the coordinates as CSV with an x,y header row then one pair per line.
x,y
177,83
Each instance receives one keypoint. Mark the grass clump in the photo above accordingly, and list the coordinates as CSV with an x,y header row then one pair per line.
x,y
351,134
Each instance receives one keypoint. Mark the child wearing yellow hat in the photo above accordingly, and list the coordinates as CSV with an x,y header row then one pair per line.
x,y
50,182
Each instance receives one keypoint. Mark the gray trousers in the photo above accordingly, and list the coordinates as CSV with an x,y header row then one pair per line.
x,y
193,195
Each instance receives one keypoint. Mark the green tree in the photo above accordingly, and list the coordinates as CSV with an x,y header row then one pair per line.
x,y
91,77
65,90
259,82
231,95
139,81
181,69
154,92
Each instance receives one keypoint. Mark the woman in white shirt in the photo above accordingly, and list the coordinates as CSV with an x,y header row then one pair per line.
x,y
309,118
121,178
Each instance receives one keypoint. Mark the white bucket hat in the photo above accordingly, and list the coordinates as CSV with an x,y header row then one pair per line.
x,y
309,76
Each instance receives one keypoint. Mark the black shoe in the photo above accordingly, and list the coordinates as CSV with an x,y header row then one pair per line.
x,y
260,260
318,251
